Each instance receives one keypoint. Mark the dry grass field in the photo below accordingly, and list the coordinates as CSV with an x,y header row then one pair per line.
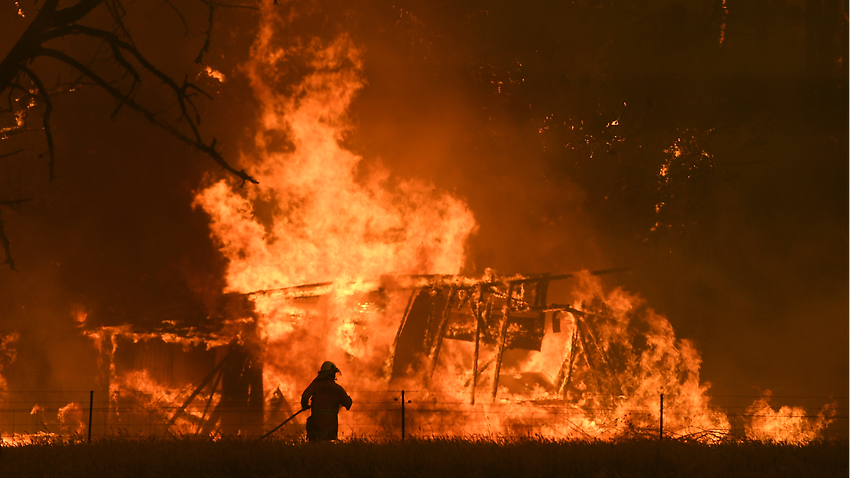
x,y
485,458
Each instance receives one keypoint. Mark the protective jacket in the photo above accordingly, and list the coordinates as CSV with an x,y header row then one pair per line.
x,y
324,397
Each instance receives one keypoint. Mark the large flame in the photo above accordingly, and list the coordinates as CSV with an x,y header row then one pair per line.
x,y
329,220
370,245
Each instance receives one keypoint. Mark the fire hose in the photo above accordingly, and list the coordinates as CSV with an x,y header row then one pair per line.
x,y
282,424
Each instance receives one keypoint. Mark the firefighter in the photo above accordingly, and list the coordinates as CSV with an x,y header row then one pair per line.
x,y
324,397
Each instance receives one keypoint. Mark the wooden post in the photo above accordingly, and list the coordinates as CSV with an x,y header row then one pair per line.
x,y
565,374
401,329
200,388
503,337
661,419
429,337
477,315
91,409
402,415
434,352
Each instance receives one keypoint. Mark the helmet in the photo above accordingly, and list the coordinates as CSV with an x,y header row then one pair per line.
x,y
329,367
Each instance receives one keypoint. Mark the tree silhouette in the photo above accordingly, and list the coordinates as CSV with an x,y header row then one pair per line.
x,y
22,84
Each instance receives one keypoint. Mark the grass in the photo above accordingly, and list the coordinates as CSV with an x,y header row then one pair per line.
x,y
490,458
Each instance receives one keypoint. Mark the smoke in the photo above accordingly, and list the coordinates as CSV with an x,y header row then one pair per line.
x,y
422,118
761,288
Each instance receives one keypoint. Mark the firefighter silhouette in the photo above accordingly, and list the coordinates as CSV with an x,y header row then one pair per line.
x,y
324,397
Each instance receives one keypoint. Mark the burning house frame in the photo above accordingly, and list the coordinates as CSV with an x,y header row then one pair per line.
x,y
497,313
151,360
507,313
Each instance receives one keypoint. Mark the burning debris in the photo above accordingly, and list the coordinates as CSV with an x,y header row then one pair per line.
x,y
506,358
157,367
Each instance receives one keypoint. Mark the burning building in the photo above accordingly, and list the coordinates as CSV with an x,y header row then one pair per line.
x,y
385,292
492,352
493,315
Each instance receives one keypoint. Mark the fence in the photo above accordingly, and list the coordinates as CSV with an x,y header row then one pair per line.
x,y
89,415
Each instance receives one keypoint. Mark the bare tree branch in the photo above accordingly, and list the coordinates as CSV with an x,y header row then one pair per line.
x,y
14,202
48,108
116,10
70,14
150,116
208,33
182,92
182,19
230,5
10,154
53,22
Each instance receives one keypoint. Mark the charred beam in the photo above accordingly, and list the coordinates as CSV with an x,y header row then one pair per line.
x,y
477,313
441,331
437,281
209,401
400,330
565,374
500,347
203,383
432,311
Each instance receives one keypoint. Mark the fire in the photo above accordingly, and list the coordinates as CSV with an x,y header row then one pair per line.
x,y
71,419
215,74
635,358
154,407
330,261
788,424
327,222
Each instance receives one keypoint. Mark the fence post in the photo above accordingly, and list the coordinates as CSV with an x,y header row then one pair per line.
x,y
661,419
91,409
402,415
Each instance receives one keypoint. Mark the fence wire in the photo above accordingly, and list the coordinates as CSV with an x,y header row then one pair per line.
x,y
100,414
